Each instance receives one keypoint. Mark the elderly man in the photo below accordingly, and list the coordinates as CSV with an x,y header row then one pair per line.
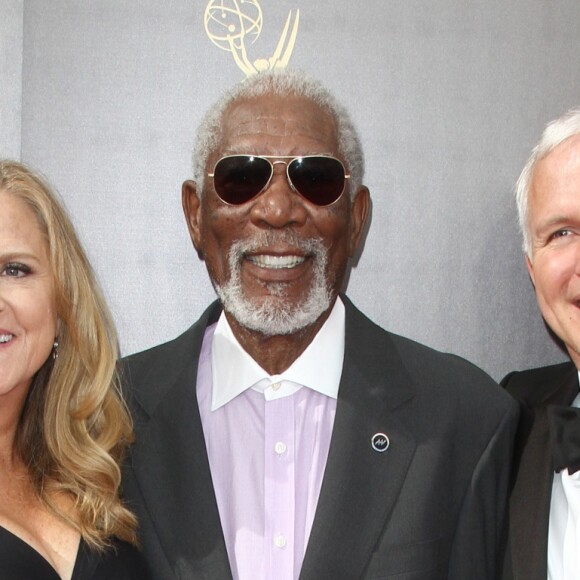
x,y
545,503
284,435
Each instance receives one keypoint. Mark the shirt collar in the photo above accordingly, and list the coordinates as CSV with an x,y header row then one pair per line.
x,y
234,370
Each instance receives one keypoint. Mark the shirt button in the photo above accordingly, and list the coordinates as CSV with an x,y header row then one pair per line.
x,y
280,541
280,448
276,386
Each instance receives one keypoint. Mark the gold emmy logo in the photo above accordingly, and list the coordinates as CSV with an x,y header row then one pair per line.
x,y
229,23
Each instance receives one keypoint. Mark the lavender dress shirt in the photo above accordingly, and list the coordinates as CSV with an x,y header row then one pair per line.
x,y
267,440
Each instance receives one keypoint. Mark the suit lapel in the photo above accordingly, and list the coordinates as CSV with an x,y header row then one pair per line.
x,y
359,492
530,501
532,492
183,508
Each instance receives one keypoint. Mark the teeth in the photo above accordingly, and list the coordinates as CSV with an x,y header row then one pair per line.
x,y
6,337
276,262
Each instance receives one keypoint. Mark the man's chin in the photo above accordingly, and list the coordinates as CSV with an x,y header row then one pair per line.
x,y
277,307
275,315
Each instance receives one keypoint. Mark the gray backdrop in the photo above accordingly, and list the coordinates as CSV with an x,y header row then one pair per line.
x,y
449,96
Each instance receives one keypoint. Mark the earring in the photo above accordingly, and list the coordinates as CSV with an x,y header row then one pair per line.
x,y
55,350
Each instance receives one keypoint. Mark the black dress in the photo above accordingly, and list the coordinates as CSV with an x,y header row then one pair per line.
x,y
20,561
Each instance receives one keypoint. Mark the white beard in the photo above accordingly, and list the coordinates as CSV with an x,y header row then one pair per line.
x,y
273,315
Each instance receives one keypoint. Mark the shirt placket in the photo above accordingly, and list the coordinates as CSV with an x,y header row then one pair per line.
x,y
279,489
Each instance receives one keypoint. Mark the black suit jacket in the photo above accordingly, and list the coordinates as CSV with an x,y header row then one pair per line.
x,y
431,507
529,510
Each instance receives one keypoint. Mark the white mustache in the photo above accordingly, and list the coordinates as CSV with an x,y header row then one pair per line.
x,y
305,246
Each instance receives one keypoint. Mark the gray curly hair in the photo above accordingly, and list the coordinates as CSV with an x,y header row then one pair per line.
x,y
279,82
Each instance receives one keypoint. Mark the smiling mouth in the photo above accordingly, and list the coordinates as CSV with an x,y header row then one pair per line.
x,y
276,262
6,338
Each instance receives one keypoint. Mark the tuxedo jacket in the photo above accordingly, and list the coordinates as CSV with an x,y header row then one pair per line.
x,y
430,507
529,511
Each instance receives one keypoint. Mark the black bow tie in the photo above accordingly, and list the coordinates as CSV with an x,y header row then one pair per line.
x,y
565,437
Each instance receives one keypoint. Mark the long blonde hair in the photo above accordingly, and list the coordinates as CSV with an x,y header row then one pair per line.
x,y
75,428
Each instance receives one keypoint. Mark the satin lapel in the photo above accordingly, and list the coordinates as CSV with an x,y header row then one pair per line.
x,y
532,492
361,485
172,470
530,502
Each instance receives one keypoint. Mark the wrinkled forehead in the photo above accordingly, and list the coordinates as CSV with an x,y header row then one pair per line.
x,y
19,220
558,169
274,123
28,204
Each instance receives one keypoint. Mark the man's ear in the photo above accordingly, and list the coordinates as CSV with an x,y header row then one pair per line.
x,y
530,267
359,212
192,210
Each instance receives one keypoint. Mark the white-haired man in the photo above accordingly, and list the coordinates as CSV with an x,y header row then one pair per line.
x,y
285,435
545,502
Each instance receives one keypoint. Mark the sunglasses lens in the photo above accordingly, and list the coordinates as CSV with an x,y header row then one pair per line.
x,y
319,179
239,178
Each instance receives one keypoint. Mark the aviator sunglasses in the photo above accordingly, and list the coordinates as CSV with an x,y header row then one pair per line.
x,y
320,179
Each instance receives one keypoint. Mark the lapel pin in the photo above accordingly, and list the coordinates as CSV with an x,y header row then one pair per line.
x,y
380,442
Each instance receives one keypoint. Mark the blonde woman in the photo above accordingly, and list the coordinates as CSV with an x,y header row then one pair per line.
x,y
64,427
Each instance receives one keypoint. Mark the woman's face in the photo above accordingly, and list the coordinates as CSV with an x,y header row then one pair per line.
x,y
28,317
